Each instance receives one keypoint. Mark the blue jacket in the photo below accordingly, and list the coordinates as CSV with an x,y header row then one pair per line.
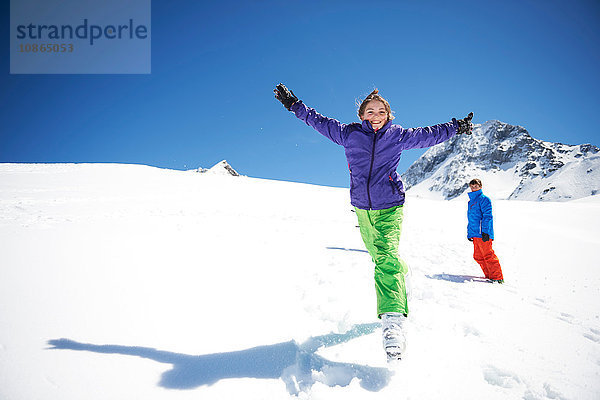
x,y
373,157
480,216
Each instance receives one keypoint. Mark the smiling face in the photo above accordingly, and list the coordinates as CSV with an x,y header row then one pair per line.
x,y
474,187
376,113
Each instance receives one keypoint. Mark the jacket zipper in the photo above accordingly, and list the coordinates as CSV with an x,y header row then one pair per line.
x,y
370,171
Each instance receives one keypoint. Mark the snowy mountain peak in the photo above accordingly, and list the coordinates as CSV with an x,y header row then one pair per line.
x,y
510,162
499,130
220,168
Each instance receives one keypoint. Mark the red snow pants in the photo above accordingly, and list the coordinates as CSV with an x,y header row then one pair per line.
x,y
487,259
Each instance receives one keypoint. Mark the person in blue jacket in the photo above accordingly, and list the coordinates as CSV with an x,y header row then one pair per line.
x,y
480,231
373,148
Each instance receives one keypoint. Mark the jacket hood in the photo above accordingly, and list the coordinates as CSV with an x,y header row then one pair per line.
x,y
475,194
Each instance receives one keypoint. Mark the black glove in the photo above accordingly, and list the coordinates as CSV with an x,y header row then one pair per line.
x,y
465,125
470,239
285,96
485,237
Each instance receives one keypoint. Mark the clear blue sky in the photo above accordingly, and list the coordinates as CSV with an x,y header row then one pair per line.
x,y
214,66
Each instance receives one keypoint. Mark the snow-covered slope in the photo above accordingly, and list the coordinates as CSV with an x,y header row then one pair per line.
x,y
511,163
133,282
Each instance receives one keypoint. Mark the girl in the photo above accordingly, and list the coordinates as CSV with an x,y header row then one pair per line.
x,y
373,149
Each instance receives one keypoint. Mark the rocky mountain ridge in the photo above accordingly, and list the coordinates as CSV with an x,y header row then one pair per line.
x,y
509,161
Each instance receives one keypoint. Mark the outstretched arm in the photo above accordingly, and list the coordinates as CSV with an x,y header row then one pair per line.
x,y
330,128
418,138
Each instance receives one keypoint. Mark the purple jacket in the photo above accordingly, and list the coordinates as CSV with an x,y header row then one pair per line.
x,y
373,157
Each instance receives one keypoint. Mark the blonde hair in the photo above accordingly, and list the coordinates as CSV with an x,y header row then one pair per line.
x,y
374,95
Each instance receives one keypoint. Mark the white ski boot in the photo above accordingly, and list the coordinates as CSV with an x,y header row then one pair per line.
x,y
394,341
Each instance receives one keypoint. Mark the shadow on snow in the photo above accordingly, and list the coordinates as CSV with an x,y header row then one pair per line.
x,y
297,365
458,278
343,248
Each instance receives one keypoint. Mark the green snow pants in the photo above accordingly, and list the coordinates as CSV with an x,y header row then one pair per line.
x,y
380,230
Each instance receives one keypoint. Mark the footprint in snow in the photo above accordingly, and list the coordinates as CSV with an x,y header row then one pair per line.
x,y
566,317
498,377
470,330
593,335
